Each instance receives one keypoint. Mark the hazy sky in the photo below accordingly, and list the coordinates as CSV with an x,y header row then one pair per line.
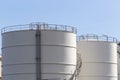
x,y
89,16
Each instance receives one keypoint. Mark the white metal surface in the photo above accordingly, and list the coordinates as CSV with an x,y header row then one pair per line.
x,y
58,54
118,49
118,66
99,60
0,68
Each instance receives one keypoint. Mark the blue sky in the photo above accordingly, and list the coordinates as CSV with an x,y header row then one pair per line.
x,y
89,16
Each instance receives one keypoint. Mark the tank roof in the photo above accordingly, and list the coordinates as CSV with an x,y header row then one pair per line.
x,y
40,26
94,37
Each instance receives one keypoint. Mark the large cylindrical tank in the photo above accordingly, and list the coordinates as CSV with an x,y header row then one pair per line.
x,y
99,57
57,50
118,50
0,68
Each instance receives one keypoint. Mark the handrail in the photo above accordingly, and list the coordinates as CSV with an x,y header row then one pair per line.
x,y
93,37
42,26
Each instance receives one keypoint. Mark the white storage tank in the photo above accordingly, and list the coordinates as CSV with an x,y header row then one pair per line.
x,y
99,57
38,51
118,50
0,67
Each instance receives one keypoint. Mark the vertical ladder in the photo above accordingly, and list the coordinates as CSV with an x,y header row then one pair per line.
x,y
38,53
78,68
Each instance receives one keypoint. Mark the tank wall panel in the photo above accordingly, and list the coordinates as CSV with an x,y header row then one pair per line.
x,y
47,37
50,54
97,78
119,66
0,67
98,51
105,69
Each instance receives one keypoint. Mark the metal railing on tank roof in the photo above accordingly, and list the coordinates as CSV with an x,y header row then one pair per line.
x,y
93,37
42,26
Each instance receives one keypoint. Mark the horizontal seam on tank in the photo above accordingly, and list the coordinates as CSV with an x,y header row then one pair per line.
x,y
41,45
60,73
97,41
41,63
61,31
97,76
41,30
101,62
